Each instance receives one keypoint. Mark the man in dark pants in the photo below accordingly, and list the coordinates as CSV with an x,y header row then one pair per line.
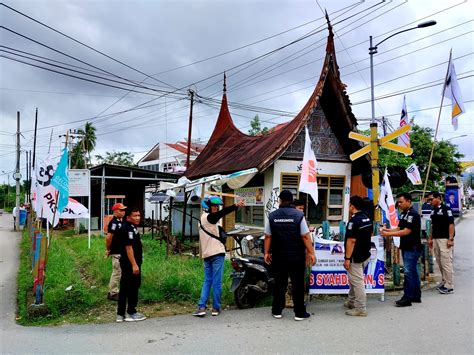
x,y
409,230
287,236
130,263
357,255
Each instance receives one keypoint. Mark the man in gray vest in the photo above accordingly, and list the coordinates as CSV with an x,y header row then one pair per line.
x,y
288,248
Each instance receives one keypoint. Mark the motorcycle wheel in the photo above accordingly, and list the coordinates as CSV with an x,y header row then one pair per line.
x,y
244,297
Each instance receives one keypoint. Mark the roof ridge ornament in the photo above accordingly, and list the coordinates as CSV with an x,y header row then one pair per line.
x,y
225,84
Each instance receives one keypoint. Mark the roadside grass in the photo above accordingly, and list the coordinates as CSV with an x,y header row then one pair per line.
x,y
170,285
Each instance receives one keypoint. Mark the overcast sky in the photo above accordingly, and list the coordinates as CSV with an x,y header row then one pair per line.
x,y
171,40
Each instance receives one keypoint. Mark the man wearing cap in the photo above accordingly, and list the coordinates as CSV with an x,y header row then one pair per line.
x,y
112,246
288,248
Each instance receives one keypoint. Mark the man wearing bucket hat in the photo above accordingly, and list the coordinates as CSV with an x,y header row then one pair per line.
x,y
112,246
213,252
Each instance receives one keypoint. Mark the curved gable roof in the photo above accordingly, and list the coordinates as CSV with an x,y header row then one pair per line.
x,y
230,150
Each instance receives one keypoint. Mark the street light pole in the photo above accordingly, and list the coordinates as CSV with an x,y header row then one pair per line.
x,y
374,141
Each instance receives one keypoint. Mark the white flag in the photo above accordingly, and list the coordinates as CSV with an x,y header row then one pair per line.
x,y
308,181
414,174
404,139
387,204
45,192
453,92
74,209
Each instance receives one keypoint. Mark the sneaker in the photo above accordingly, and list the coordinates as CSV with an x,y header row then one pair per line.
x,y
200,312
215,312
303,317
440,285
112,297
357,312
277,316
446,291
403,302
416,300
135,317
349,304
119,318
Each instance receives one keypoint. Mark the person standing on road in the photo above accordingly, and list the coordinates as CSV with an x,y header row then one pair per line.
x,y
112,249
442,241
213,252
15,212
357,255
287,238
130,264
409,231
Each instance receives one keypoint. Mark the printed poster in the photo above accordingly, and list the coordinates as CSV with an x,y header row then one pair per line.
x,y
328,276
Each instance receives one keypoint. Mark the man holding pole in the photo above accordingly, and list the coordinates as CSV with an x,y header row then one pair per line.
x,y
409,231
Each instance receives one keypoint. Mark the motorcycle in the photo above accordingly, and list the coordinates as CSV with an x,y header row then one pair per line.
x,y
252,277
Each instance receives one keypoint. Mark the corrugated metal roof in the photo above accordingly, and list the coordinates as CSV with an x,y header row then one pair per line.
x,y
230,150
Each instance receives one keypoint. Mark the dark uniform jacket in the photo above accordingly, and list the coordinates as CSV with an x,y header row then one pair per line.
x,y
114,226
410,219
441,218
359,228
287,243
129,236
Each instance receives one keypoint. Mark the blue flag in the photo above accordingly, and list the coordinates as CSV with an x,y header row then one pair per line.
x,y
60,181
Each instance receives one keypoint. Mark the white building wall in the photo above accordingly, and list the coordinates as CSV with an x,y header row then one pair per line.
x,y
273,175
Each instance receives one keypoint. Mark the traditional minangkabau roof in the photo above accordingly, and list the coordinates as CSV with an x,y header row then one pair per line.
x,y
230,150
181,146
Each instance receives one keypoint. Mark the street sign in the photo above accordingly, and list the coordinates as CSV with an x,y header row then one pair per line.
x,y
383,142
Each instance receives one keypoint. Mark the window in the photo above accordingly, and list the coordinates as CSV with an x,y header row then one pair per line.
x,y
168,167
330,197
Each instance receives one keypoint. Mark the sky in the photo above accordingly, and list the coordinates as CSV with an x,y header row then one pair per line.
x,y
148,54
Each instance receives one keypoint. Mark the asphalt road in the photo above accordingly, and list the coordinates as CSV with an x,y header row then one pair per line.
x,y
441,324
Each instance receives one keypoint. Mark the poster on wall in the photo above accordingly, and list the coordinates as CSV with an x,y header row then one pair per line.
x,y
253,196
328,276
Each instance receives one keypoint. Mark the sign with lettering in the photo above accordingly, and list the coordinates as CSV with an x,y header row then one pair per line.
x,y
253,196
328,276
79,182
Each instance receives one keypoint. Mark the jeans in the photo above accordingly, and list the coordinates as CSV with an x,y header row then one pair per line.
x,y
213,271
411,283
296,271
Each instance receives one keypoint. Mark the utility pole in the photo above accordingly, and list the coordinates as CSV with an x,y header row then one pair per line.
x,y
188,157
17,175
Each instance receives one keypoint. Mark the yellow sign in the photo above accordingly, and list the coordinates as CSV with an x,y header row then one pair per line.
x,y
383,142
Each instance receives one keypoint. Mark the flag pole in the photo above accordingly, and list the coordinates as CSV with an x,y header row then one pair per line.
x,y
437,127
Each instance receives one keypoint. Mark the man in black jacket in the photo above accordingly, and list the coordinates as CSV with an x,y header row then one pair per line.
x,y
287,237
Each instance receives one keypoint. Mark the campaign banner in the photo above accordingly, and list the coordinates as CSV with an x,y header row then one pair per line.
x,y
452,199
253,196
328,276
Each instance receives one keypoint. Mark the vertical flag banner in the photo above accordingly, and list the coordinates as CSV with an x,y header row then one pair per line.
x,y
61,181
414,174
453,92
404,139
45,192
308,181
33,191
387,203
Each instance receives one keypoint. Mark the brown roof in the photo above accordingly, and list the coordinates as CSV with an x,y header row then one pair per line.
x,y
230,150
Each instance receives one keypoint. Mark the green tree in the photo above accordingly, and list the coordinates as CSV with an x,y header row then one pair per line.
x,y
445,157
116,158
81,152
256,127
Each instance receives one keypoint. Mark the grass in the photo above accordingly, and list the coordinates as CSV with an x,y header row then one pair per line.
x,y
170,285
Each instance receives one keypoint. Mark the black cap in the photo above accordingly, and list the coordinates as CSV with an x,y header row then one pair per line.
x,y
286,196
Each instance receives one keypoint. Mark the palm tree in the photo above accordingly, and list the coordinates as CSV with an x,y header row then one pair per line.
x,y
88,141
